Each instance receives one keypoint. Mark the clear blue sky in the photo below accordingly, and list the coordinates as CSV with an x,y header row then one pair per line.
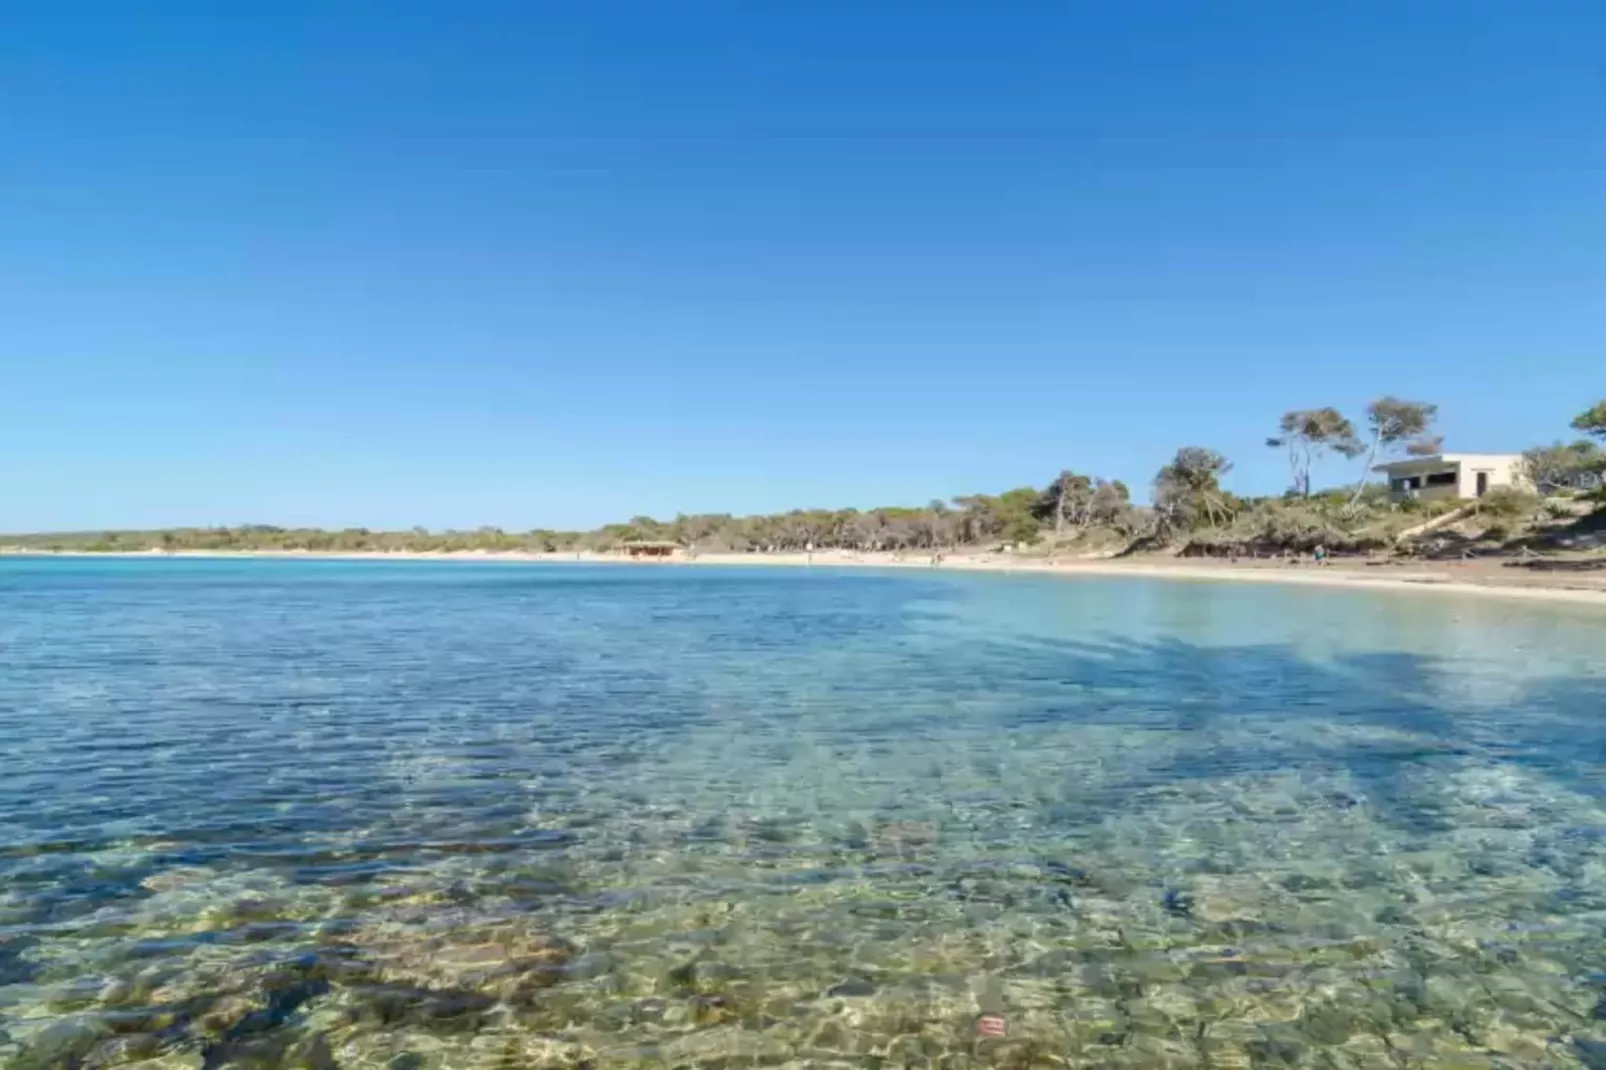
x,y
554,264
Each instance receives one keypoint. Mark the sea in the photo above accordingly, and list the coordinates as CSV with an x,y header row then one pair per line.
x,y
414,815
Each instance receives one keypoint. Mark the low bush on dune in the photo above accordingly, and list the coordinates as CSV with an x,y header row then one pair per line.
x,y
1508,504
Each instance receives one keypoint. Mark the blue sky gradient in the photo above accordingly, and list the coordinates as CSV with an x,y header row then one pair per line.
x,y
533,264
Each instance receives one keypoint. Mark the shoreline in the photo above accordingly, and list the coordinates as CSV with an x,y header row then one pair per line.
x,y
1487,578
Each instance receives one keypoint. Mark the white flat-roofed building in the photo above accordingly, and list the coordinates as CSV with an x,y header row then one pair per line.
x,y
1453,475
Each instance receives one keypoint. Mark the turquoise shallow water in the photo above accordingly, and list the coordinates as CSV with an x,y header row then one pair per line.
x,y
404,815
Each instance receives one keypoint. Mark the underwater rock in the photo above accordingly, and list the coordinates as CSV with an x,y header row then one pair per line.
x,y
727,1045
1178,902
506,960
1021,994
902,837
173,1060
62,1043
683,977
1251,905
649,1011
261,1002
392,1006
279,1050
1393,914
1329,1024
15,968
313,1053
701,975
829,1035
1225,1043
713,1009
1345,800
547,1053
1154,969
1054,963
1527,1048
1096,1021
1066,873
122,1050
1278,1045
1305,882
1488,865
168,880
769,829
226,1013
246,1052
854,987
1591,1052
591,965
121,990
1011,890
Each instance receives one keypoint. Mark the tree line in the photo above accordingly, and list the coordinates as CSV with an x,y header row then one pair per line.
x,y
1187,498
1576,465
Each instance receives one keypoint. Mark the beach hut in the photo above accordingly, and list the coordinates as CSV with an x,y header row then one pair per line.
x,y
648,548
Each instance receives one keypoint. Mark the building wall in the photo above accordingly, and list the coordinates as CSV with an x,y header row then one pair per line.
x,y
1503,472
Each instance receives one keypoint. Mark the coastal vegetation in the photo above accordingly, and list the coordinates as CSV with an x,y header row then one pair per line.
x,y
1190,511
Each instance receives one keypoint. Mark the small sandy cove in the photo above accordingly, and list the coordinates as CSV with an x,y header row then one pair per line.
x,y
1488,577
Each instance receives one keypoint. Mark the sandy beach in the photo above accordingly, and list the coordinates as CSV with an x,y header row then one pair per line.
x,y
1486,578
1473,577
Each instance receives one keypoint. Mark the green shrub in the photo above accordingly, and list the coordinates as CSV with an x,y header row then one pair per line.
x,y
1508,503
1499,531
1427,508
1024,531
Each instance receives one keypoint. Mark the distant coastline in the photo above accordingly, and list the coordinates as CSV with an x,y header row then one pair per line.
x,y
1542,511
1486,578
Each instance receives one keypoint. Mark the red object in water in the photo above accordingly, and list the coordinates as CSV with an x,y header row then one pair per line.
x,y
991,1025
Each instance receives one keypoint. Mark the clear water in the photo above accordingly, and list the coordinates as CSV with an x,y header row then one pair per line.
x,y
402,815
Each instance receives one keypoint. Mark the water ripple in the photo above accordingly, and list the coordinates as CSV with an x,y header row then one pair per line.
x,y
311,814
